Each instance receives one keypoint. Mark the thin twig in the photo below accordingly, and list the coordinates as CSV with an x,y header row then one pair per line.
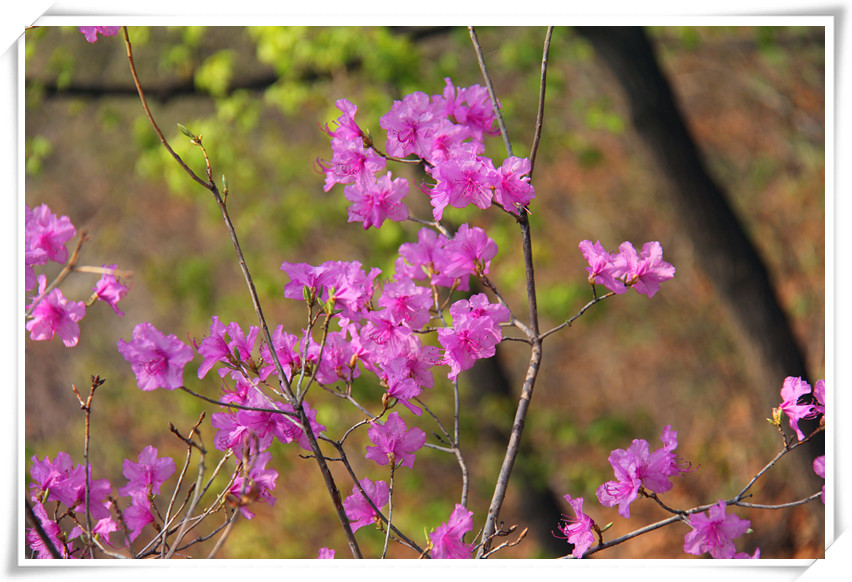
x,y
513,446
539,120
494,103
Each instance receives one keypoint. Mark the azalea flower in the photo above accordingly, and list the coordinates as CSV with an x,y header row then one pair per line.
x,y
447,538
578,529
393,440
714,532
156,359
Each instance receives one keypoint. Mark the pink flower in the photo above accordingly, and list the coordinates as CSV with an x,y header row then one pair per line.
x,y
792,391
819,469
393,441
407,303
54,314
469,252
138,514
428,256
410,125
447,538
110,290
156,359
292,430
258,484
514,189
468,340
148,474
819,396
625,488
50,476
214,349
325,554
745,556
91,32
358,510
383,335
351,163
373,200
578,529
46,234
601,268
347,128
644,271
395,374
478,306
286,349
714,532
53,531
636,467
470,107
462,180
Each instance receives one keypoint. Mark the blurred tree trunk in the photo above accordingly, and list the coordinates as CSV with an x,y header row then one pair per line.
x,y
722,247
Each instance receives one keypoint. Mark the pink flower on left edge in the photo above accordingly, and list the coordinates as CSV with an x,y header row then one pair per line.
x,y
54,314
447,538
714,532
91,32
156,359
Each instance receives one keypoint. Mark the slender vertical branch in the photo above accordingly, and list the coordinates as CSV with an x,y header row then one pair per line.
x,y
539,119
390,508
494,103
87,408
535,342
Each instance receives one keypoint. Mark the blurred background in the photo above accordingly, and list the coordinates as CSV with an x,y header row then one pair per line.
x,y
753,100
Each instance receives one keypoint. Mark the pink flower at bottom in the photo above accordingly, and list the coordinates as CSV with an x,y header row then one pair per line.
x,y
578,529
325,554
447,538
714,532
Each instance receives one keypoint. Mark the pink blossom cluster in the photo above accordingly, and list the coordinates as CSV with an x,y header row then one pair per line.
x,y
61,482
637,468
643,271
714,532
45,240
444,132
